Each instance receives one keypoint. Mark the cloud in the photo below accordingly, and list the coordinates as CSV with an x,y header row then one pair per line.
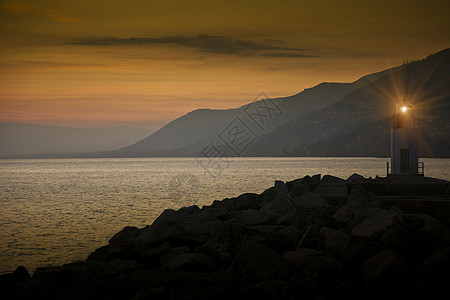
x,y
203,43
287,54
52,14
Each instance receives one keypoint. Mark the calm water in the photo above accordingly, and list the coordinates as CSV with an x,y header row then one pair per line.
x,y
54,211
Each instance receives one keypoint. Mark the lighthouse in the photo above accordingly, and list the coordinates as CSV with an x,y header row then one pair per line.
x,y
404,154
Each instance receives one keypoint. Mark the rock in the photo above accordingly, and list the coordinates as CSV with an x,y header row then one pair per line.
x,y
280,187
299,186
97,270
302,286
290,232
376,224
125,235
386,271
231,239
225,204
332,189
19,275
349,289
248,201
151,256
158,293
279,206
255,263
396,239
427,240
189,210
318,262
216,251
173,252
315,179
123,245
251,217
359,200
191,262
331,179
127,248
355,178
414,222
67,273
269,289
335,241
270,236
356,254
269,194
174,225
434,270
309,201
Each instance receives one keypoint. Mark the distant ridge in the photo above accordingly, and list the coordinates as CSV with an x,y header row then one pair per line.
x,y
18,139
329,119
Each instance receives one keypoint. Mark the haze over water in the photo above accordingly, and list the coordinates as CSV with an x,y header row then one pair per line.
x,y
55,211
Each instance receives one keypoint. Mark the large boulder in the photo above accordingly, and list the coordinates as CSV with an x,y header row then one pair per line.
x,y
19,275
278,207
355,178
300,186
333,189
309,201
312,260
425,241
302,286
255,263
182,224
377,224
126,234
97,270
250,217
248,201
361,203
331,179
269,289
414,222
435,269
191,262
386,272
335,241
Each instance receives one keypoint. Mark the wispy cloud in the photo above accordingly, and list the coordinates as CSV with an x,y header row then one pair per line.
x,y
204,43
287,54
48,13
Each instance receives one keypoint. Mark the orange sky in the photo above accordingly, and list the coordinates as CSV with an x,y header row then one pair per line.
x,y
143,63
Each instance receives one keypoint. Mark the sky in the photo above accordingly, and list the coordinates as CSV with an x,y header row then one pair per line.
x,y
143,63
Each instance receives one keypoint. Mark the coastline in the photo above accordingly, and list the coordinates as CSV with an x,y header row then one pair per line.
x,y
315,236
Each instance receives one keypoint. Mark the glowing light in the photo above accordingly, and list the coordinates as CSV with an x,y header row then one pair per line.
x,y
404,109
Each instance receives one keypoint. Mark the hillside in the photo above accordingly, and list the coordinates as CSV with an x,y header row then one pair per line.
x,y
358,124
187,135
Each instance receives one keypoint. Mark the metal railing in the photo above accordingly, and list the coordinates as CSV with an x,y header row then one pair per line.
x,y
420,168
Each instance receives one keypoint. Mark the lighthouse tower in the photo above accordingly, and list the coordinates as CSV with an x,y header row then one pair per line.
x,y
404,155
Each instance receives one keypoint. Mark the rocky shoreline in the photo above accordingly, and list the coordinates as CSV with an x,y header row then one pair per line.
x,y
310,238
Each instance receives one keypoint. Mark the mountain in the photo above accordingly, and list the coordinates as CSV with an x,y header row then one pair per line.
x,y
359,123
187,135
25,139
330,119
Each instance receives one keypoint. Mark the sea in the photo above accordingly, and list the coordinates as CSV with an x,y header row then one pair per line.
x,y
56,211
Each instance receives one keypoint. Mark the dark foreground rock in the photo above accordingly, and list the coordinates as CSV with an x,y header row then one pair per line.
x,y
310,238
